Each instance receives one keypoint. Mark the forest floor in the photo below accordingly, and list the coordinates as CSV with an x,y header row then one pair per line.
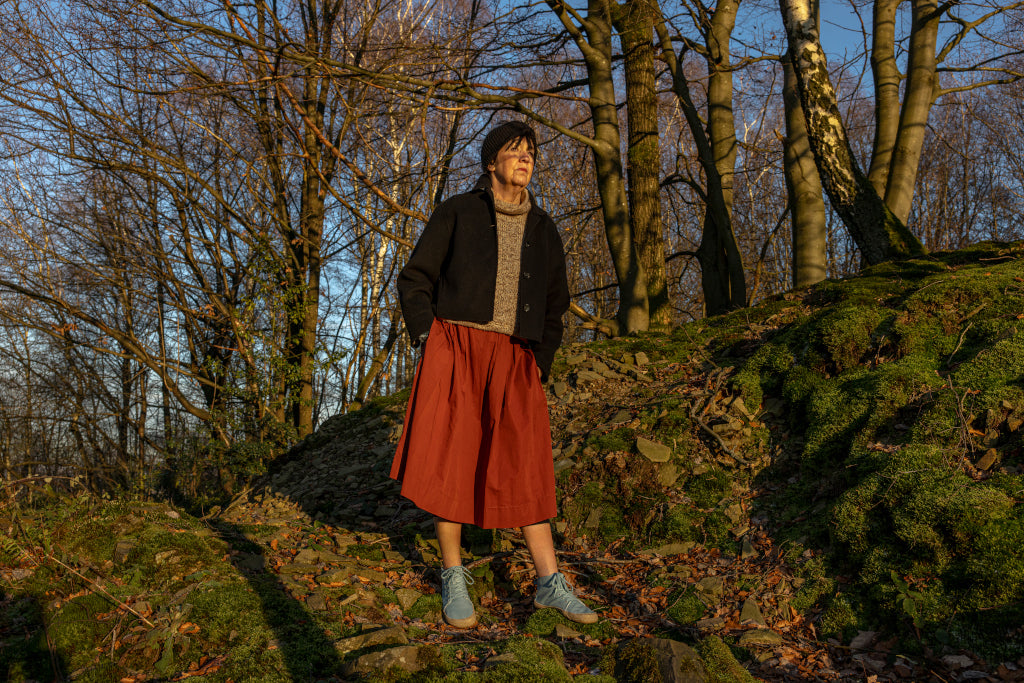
x,y
687,520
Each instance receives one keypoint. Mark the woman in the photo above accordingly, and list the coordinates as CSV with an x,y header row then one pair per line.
x,y
484,292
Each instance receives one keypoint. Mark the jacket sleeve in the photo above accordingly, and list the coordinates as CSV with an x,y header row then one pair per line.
x,y
418,280
557,305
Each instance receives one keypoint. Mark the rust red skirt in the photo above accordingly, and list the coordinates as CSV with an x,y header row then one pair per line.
x,y
476,447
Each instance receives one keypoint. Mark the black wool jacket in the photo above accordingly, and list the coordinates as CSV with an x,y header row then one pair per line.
x,y
451,273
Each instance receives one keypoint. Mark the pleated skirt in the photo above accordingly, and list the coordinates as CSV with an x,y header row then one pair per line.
x,y
476,447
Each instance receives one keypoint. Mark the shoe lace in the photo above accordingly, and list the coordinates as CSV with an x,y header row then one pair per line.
x,y
562,592
456,588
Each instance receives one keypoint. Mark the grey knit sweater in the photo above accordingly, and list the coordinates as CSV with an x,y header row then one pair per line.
x,y
511,223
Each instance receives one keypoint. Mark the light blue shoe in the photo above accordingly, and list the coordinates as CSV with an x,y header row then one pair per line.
x,y
554,591
455,602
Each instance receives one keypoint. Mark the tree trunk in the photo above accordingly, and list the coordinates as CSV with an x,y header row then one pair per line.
x,y
806,204
722,277
633,315
879,234
887,91
634,22
921,90
593,38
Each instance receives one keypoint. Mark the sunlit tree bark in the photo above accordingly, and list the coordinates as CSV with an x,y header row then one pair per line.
x,y
880,235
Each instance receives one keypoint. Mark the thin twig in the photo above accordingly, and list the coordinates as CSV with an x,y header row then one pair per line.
x,y
959,343
100,589
488,558
54,662
697,418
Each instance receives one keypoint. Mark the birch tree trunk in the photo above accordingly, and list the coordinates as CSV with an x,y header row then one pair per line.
x,y
878,232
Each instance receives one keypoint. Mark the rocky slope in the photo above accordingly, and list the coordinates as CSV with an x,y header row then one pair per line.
x,y
824,487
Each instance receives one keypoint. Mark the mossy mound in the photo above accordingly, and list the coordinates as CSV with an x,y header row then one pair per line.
x,y
119,587
904,400
887,432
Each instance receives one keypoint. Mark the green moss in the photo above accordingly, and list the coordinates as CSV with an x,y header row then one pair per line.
x,y
543,621
839,620
995,366
687,608
26,657
720,664
531,659
705,490
425,605
386,595
621,439
715,528
76,629
847,332
233,607
637,662
366,551
681,523
762,371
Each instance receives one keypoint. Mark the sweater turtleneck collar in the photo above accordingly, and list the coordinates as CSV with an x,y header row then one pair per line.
x,y
484,183
510,209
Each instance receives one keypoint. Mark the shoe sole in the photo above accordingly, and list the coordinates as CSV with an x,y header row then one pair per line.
x,y
468,622
571,616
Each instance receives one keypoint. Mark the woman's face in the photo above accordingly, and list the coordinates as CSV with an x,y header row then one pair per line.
x,y
513,167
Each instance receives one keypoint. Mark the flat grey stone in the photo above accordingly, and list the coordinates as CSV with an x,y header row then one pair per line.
x,y
675,548
250,561
668,474
652,450
751,613
298,568
316,601
563,631
407,597
734,513
760,637
394,635
748,550
712,585
710,624
564,464
506,658
335,558
164,556
334,576
621,417
405,657
678,662
560,388
121,551
307,556
641,358
989,459
862,640
737,406
588,376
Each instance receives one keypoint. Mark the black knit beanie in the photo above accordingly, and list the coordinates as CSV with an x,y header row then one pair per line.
x,y
500,136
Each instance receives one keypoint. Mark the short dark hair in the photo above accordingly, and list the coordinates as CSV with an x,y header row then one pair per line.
x,y
501,135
